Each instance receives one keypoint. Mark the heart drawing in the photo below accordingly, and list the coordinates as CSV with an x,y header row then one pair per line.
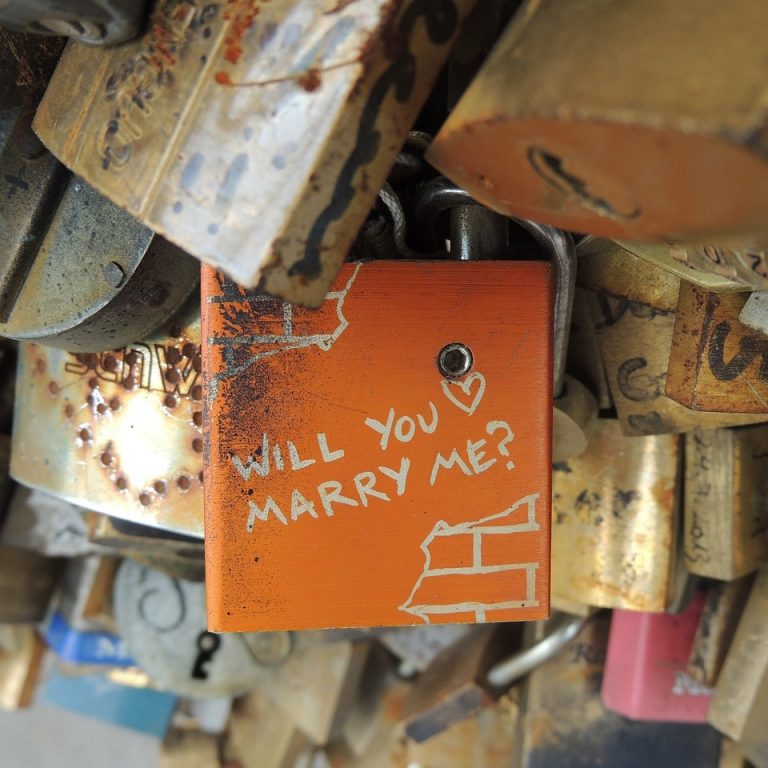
x,y
464,394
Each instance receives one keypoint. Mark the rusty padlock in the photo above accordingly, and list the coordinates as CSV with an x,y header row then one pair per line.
x,y
441,401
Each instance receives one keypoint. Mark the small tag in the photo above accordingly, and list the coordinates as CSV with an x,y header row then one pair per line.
x,y
349,481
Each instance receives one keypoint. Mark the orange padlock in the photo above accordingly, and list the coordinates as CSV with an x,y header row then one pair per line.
x,y
386,459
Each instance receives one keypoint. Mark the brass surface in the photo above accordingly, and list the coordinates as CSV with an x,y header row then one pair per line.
x,y
573,420
633,307
614,521
641,121
255,135
21,654
120,432
725,508
740,702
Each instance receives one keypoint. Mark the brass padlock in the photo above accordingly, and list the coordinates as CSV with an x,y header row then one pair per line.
x,y
624,149
716,363
614,522
118,432
725,510
223,110
719,618
633,306
741,695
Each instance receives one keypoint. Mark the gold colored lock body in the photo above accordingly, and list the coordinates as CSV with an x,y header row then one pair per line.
x,y
614,522
726,501
740,701
632,120
255,136
633,305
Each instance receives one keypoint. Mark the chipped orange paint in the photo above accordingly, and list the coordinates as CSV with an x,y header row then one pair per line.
x,y
347,482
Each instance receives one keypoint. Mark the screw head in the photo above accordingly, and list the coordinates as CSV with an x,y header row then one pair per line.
x,y
454,360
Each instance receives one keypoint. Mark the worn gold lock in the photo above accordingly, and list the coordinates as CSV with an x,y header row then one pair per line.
x,y
651,141
726,515
634,304
222,111
614,522
741,696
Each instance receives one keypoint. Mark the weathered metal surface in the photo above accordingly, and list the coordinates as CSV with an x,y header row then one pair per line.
x,y
120,432
633,307
717,626
716,363
307,411
623,150
740,702
573,420
256,135
99,279
726,501
92,22
21,655
614,521
565,725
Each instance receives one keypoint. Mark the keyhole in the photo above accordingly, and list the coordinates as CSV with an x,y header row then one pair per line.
x,y
208,644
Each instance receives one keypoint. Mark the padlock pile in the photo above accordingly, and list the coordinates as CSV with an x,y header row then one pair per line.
x,y
454,451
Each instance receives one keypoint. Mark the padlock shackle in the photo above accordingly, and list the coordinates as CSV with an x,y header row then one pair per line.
x,y
440,194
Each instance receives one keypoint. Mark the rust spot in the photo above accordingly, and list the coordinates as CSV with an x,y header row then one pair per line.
x,y
200,476
106,458
223,78
132,358
197,418
101,408
172,355
145,499
109,363
121,483
176,331
69,410
241,14
197,392
85,435
161,487
183,482
54,388
173,376
197,363
93,382
197,445
190,350
310,80
129,382
114,403
170,401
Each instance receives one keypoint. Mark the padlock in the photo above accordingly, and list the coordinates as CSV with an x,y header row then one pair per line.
x,y
646,676
476,233
315,688
623,150
418,647
77,271
633,307
614,513
118,432
309,452
318,99
725,510
96,22
162,621
181,557
261,735
716,363
584,362
741,694
754,313
21,655
563,723
719,618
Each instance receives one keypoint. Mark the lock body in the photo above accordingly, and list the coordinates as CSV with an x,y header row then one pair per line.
x,y
118,432
339,439
614,511
622,150
633,305
223,111
725,512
